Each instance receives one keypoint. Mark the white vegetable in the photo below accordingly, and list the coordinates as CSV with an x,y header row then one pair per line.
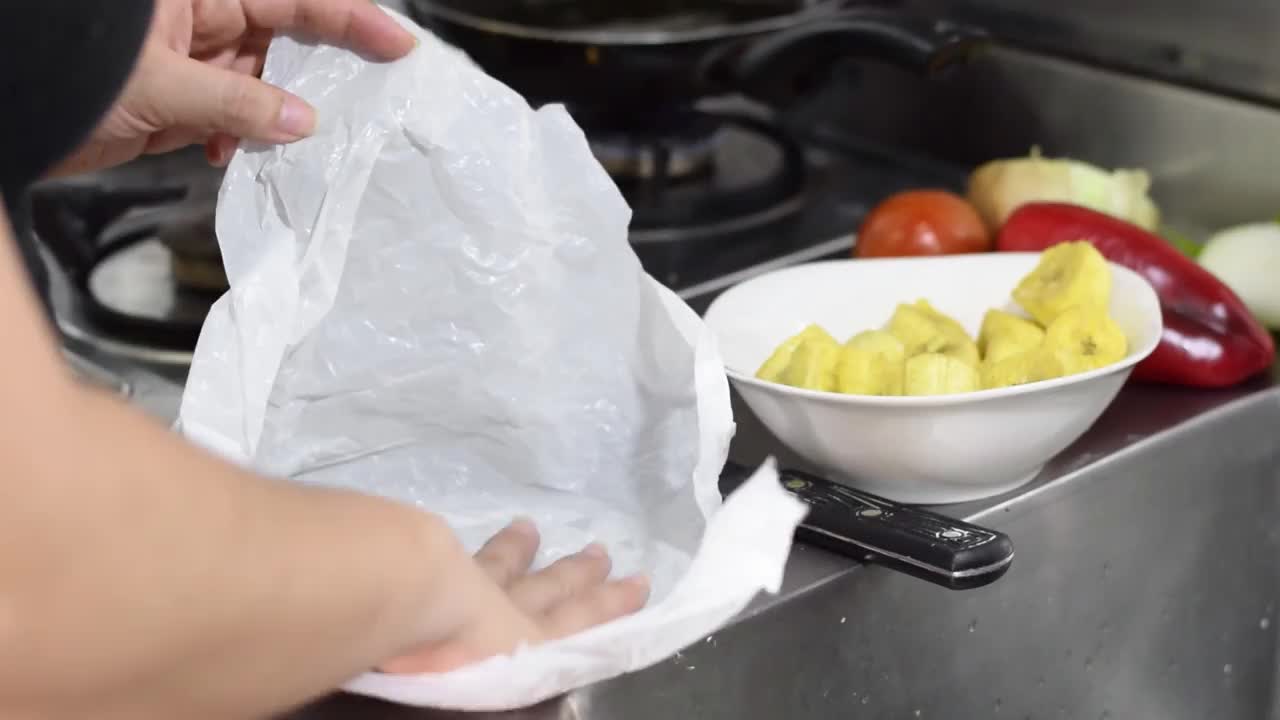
x,y
1247,259
1002,186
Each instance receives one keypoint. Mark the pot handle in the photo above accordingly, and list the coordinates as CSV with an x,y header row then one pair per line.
x,y
783,66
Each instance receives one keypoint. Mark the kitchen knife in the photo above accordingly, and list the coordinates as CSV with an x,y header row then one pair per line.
x,y
912,540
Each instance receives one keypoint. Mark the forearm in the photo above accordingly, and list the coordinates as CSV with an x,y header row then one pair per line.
x,y
137,570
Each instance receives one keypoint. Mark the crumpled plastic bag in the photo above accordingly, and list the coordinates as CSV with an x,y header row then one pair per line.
x,y
433,299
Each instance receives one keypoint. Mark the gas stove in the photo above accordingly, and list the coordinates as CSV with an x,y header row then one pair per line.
x,y
719,194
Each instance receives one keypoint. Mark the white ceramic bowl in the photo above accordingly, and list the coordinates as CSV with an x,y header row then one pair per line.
x,y
936,449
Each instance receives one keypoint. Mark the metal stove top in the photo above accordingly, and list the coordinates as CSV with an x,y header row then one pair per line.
x,y
840,180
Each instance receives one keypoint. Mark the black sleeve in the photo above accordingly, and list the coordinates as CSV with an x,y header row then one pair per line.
x,y
62,64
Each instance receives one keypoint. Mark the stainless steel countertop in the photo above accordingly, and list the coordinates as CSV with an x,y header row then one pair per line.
x,y
1052,522
1144,419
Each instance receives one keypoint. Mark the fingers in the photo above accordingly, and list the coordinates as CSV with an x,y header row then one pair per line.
x,y
358,25
508,555
574,593
171,139
219,148
599,605
248,60
562,580
222,102
571,595
435,659
211,100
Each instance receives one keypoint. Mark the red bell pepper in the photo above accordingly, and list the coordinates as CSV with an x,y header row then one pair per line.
x,y
1210,338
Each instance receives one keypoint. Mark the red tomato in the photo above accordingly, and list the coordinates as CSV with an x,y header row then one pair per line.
x,y
922,222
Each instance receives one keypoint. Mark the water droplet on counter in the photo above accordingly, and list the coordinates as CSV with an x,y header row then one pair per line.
x,y
999,704
843,619
1106,569
866,699
1264,623
1226,669
1040,681
917,713
973,625
1088,663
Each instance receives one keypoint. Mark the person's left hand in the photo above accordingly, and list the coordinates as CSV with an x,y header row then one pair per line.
x,y
196,80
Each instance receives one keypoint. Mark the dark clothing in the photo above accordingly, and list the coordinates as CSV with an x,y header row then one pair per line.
x,y
62,65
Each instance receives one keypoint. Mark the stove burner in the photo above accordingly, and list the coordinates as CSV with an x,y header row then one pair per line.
x,y
142,264
673,151
135,288
194,256
693,175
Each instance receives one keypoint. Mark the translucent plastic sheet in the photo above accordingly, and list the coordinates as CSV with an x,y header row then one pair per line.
x,y
433,299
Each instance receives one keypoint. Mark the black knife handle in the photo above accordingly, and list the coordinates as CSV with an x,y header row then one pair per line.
x,y
951,553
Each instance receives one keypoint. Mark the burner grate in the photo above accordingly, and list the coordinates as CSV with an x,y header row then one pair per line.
x,y
691,175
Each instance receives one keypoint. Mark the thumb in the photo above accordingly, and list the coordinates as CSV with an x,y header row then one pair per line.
x,y
213,100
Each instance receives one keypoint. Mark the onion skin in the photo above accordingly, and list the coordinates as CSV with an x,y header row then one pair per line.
x,y
998,188
1247,259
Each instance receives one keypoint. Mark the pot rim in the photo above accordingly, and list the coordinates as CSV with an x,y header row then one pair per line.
x,y
815,9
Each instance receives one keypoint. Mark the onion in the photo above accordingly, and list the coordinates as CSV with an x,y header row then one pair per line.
x,y
1001,186
1247,259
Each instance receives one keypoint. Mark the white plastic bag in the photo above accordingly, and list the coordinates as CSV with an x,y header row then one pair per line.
x,y
434,299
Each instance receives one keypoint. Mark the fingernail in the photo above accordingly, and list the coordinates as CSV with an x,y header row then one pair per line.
x,y
596,550
213,154
297,119
523,525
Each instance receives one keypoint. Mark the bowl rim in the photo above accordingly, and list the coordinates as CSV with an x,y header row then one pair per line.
x,y
977,396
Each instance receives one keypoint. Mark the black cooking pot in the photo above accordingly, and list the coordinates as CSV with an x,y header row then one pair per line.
x,y
635,54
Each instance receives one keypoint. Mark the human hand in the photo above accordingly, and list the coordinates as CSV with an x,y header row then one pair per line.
x,y
196,79
520,607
